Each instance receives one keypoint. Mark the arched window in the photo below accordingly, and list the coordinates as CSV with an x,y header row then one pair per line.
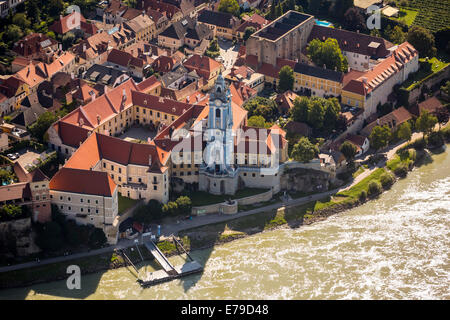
x,y
219,89
217,113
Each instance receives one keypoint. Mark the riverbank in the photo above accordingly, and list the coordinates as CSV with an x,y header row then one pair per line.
x,y
212,235
216,234
92,264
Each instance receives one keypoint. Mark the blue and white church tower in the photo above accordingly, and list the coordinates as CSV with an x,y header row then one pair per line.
x,y
218,174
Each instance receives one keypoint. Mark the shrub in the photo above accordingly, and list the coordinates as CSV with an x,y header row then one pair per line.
x,y
387,180
363,196
419,144
435,140
446,133
374,189
401,170
97,238
184,204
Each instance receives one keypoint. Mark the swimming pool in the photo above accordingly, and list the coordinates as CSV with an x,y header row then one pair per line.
x,y
323,23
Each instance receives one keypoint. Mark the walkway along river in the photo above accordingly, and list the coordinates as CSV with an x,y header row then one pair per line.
x,y
395,247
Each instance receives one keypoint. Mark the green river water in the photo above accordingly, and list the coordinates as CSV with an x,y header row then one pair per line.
x,y
395,247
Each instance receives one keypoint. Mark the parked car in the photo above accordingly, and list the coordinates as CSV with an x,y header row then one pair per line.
x,y
11,156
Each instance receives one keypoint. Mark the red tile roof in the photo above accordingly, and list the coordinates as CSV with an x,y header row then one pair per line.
x,y
67,23
203,65
83,181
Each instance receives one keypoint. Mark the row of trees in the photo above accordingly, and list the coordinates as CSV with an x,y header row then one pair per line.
x,y
319,113
382,135
154,210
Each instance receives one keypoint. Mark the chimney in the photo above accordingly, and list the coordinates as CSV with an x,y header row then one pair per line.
x,y
72,75
124,94
84,47
92,93
98,119
150,160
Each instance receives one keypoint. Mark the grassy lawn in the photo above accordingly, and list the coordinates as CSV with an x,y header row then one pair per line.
x,y
421,75
125,203
201,198
354,191
402,157
358,172
407,16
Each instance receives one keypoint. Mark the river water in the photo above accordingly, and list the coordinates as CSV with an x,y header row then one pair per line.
x,y
396,247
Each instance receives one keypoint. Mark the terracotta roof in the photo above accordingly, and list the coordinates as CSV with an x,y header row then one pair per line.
x,y
370,80
203,65
148,84
285,100
430,105
67,23
159,103
395,118
273,71
163,64
83,181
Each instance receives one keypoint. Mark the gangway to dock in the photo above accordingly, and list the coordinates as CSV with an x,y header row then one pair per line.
x,y
160,257
168,272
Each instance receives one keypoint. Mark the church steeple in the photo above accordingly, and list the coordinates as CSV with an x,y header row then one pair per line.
x,y
220,124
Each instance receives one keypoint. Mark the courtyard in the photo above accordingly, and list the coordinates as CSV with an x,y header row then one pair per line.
x,y
138,134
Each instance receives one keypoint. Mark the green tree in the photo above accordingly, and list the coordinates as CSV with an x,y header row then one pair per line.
x,y
12,34
374,188
6,176
327,53
349,150
170,208
97,238
300,110
422,40
55,8
259,106
10,211
278,10
257,121
33,11
316,114
354,20
404,131
248,32
425,123
379,137
142,214
332,111
229,6
397,35
44,122
184,204
286,76
304,150
446,88
20,19
155,209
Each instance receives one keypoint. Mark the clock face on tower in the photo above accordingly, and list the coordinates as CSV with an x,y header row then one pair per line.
x,y
218,102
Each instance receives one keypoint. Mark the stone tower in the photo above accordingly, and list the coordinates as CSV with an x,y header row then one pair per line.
x,y
218,174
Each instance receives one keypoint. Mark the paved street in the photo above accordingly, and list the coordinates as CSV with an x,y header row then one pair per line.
x,y
229,53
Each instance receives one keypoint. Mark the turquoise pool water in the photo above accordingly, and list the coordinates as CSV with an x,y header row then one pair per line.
x,y
323,23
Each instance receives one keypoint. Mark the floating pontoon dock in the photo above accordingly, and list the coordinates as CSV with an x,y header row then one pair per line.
x,y
169,272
